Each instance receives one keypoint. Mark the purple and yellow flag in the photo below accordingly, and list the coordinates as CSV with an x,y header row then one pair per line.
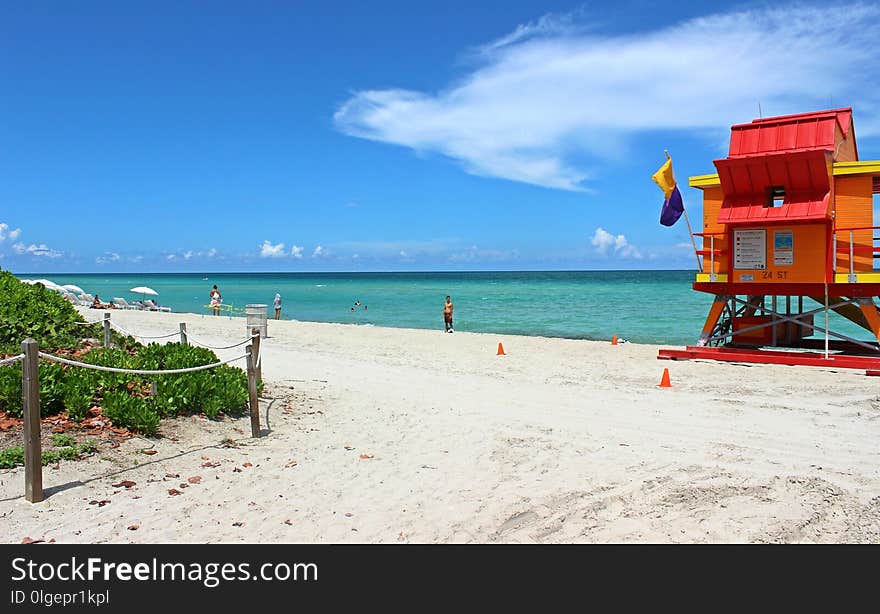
x,y
673,206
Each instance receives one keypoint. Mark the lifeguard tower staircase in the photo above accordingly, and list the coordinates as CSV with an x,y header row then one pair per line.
x,y
789,238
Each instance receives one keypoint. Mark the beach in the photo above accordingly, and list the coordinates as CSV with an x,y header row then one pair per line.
x,y
381,435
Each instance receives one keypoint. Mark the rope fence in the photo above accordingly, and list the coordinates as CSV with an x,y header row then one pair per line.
x,y
214,347
84,365
11,360
131,334
30,356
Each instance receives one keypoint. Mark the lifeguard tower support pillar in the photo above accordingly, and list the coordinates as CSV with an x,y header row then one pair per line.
x,y
788,235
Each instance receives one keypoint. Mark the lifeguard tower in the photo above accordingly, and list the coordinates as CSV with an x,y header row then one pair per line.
x,y
788,237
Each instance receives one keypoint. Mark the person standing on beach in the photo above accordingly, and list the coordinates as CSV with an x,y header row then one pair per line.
x,y
277,306
216,300
447,314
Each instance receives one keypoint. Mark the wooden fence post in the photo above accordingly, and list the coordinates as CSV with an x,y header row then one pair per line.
x,y
30,399
106,329
255,338
183,338
253,399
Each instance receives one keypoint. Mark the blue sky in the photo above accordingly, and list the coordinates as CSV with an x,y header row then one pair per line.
x,y
315,136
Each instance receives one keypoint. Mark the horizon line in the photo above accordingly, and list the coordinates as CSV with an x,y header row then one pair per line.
x,y
342,272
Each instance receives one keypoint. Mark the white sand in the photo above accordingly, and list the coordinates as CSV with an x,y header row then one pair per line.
x,y
559,441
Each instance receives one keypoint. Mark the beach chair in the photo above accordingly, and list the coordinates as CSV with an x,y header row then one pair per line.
x,y
152,306
121,303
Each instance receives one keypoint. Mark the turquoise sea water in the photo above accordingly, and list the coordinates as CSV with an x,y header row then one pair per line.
x,y
641,306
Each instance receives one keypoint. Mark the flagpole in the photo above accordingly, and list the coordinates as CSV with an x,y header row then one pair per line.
x,y
690,231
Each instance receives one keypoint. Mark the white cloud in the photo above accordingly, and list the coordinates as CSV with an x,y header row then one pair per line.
x,y
189,254
617,245
402,254
319,251
6,233
475,254
268,250
171,257
36,250
211,252
108,257
550,93
296,251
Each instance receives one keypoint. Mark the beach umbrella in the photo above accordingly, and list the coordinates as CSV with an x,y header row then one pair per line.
x,y
74,289
49,285
144,291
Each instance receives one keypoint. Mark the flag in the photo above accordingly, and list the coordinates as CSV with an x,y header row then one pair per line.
x,y
673,206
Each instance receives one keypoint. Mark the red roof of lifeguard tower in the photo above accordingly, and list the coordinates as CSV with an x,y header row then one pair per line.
x,y
801,132
793,153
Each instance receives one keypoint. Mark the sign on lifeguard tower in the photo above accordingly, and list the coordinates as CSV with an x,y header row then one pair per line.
x,y
788,237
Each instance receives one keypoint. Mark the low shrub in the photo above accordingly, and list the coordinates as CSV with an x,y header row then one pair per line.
x,y
131,412
14,457
62,439
52,378
79,393
33,311
118,359
11,457
214,391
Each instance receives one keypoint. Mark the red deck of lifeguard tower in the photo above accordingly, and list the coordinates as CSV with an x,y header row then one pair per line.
x,y
787,218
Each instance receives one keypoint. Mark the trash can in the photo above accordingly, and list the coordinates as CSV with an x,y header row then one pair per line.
x,y
256,318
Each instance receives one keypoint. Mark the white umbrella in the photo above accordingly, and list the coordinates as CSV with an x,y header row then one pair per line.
x,y
50,285
144,291
74,289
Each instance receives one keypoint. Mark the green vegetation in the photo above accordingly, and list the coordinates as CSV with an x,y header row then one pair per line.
x,y
52,381
69,450
31,310
62,439
11,457
132,412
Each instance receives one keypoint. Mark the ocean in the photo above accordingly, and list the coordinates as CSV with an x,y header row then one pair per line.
x,y
657,307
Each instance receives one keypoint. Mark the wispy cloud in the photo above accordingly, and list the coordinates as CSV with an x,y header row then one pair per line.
x,y
319,251
41,250
608,244
296,251
7,233
474,254
553,92
108,257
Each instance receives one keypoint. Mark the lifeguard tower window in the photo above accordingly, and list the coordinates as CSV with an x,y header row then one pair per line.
x,y
775,196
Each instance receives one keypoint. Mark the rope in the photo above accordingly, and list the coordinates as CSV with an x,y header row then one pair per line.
x,y
11,359
189,337
74,363
89,323
128,332
259,357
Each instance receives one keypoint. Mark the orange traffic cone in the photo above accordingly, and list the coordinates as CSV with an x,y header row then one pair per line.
x,y
614,340
664,381
500,350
